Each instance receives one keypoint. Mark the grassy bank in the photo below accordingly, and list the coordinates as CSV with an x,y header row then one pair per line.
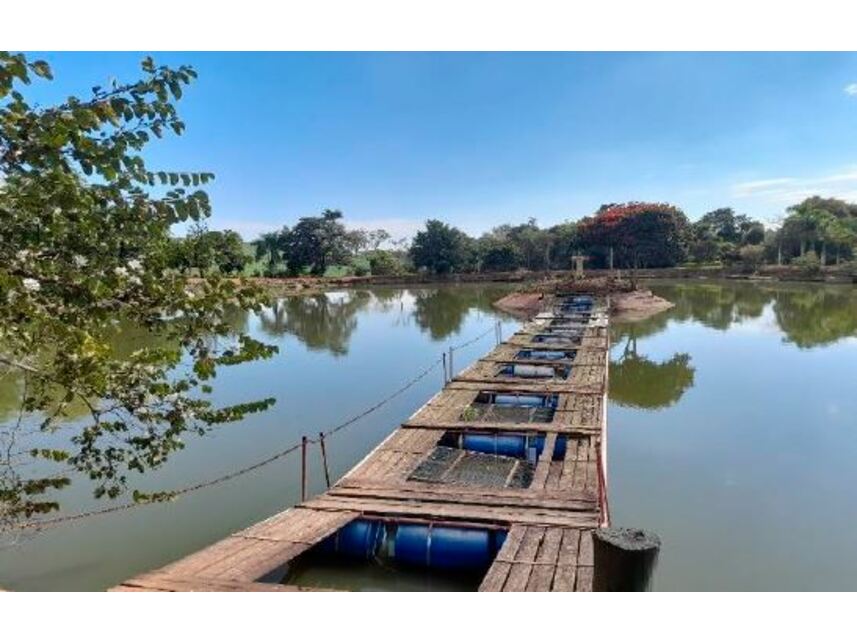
x,y
310,285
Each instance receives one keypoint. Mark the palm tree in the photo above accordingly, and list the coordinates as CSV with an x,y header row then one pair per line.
x,y
268,247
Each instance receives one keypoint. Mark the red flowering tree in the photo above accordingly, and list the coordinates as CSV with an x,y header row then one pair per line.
x,y
642,235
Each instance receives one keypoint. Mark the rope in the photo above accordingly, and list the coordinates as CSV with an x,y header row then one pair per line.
x,y
475,339
48,522
387,399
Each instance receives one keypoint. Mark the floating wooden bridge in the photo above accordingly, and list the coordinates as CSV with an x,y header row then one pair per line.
x,y
502,473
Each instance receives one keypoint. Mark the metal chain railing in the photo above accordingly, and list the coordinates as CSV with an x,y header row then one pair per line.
x,y
58,520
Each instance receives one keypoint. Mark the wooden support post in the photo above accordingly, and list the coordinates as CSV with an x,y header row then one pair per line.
x,y
303,467
451,371
624,559
324,459
445,379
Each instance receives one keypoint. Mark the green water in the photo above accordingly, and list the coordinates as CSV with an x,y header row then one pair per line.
x,y
340,353
732,433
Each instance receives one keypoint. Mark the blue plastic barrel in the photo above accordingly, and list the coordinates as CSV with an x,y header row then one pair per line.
x,y
514,446
537,442
359,539
446,547
412,545
547,355
481,442
559,447
529,401
453,548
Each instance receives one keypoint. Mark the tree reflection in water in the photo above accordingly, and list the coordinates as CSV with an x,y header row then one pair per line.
x,y
324,321
807,315
442,311
816,317
637,381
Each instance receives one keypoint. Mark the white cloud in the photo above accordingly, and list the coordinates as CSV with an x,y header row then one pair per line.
x,y
749,188
851,89
788,190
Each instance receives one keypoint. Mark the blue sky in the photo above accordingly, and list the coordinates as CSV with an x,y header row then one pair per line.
x,y
480,139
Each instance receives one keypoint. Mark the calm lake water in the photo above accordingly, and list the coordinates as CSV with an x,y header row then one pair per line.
x,y
733,435
340,353
732,432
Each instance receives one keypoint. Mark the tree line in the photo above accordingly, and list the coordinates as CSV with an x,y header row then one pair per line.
x,y
814,233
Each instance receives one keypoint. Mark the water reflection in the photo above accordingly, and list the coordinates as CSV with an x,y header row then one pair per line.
x,y
764,403
816,317
441,311
388,337
637,381
326,321
717,306
807,315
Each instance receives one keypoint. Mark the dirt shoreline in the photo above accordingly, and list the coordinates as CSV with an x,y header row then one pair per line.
x,y
632,306
637,305
521,305
626,302
315,285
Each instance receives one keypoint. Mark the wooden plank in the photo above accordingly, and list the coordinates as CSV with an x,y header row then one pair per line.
x,y
549,542
496,577
565,578
554,476
557,426
510,547
543,465
257,559
160,582
584,579
443,511
519,574
512,384
301,525
463,495
570,547
210,555
565,574
586,556
529,548
542,574
419,441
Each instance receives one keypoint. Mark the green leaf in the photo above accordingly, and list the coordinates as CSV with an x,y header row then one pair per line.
x,y
42,69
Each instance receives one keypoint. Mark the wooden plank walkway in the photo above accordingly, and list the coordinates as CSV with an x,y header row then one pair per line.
x,y
549,522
